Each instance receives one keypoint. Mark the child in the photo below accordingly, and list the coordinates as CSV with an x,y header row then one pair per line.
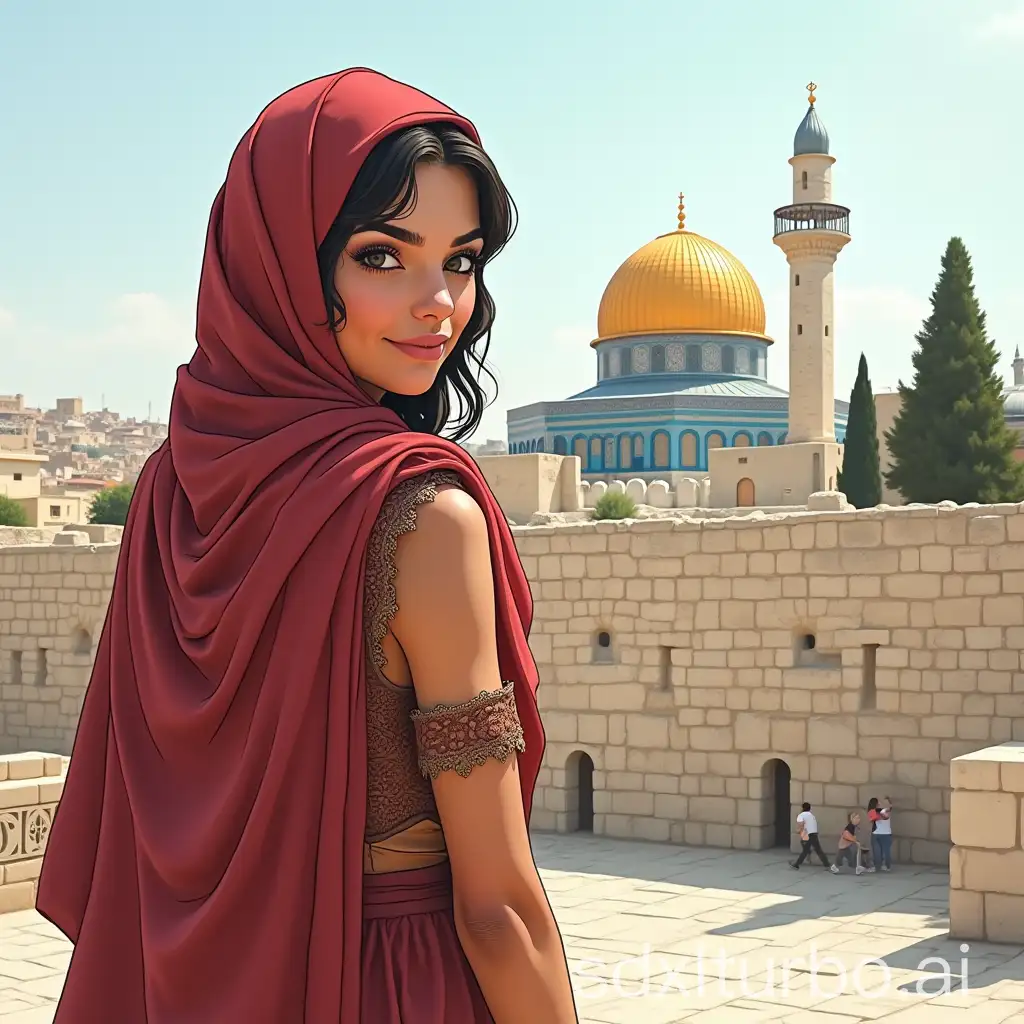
x,y
849,847
807,827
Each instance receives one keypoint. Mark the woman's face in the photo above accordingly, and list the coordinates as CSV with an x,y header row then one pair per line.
x,y
855,819
409,285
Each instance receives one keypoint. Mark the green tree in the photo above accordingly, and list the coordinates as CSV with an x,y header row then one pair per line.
x,y
110,507
950,441
11,513
860,479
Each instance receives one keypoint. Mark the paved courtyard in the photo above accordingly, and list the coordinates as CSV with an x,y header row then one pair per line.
x,y
658,934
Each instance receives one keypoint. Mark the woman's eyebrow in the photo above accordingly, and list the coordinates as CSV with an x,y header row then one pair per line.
x,y
412,238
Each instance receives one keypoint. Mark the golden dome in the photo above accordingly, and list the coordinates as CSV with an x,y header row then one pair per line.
x,y
681,283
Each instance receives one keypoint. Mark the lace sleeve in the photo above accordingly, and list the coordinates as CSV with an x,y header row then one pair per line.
x,y
458,737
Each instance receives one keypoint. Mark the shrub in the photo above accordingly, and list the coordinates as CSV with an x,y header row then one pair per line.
x,y
614,505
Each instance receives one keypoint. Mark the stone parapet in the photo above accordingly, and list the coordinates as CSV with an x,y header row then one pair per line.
x,y
31,785
700,678
986,864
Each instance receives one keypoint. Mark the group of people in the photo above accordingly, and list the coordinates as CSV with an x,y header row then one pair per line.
x,y
862,856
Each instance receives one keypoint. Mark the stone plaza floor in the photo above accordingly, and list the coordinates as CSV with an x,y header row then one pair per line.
x,y
657,934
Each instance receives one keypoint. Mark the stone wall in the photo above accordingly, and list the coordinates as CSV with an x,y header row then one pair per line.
x,y
701,679
31,784
714,673
986,866
53,600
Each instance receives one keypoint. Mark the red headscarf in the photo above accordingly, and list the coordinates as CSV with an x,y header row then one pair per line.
x,y
206,858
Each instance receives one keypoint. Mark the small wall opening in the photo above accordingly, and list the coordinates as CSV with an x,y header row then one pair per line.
x,y
777,778
806,653
16,676
81,642
41,666
579,780
816,471
665,668
799,328
604,651
868,692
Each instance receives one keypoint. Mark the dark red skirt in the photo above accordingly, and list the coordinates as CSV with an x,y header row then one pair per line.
x,y
414,970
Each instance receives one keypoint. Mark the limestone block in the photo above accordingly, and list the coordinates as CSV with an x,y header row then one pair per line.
x,y
752,732
713,809
789,735
987,821
832,736
646,731
989,872
1004,918
966,915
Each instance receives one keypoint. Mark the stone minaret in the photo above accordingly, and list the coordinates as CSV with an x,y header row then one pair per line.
x,y
811,232
1018,369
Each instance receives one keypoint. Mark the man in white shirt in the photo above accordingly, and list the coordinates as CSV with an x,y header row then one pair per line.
x,y
807,827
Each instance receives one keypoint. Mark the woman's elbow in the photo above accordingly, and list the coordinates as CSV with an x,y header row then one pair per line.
x,y
494,925
489,926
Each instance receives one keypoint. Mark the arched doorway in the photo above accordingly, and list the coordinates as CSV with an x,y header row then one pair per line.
x,y
745,493
579,780
776,778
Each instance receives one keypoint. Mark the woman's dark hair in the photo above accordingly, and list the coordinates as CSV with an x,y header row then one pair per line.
x,y
385,189
873,803
807,806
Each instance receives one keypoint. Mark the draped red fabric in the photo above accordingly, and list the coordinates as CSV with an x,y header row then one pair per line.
x,y
206,857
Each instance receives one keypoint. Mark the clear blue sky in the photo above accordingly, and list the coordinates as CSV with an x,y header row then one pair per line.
x,y
118,119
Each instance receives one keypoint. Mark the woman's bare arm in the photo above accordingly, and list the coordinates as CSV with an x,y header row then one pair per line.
x,y
445,625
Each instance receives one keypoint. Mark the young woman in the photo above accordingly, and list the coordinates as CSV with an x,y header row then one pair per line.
x,y
302,779
881,833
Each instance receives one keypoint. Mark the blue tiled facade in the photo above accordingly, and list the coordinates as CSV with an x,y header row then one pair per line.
x,y
661,402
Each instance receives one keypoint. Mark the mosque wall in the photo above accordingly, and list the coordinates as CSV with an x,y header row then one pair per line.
x,y
700,678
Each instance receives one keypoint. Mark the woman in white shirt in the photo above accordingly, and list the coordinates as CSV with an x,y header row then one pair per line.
x,y
881,833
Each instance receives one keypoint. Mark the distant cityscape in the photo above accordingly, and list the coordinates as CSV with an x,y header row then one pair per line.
x,y
53,462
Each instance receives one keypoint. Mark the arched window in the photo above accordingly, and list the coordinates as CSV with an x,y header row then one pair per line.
x,y
595,454
728,359
714,440
625,452
579,449
660,453
658,359
741,440
688,456
609,453
561,447
540,445
638,451
693,358
764,439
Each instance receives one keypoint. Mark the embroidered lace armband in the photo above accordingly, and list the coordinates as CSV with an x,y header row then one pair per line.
x,y
457,737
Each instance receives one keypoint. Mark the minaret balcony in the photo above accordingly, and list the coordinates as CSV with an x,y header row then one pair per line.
x,y
812,217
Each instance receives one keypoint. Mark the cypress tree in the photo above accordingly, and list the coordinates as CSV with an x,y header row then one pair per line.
x,y
860,479
950,441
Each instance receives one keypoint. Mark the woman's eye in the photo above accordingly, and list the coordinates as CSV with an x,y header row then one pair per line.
x,y
378,260
461,264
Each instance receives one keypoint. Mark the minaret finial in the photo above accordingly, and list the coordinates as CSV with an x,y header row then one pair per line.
x,y
810,87
682,214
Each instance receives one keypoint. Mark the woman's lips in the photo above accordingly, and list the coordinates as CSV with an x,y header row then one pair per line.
x,y
427,348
